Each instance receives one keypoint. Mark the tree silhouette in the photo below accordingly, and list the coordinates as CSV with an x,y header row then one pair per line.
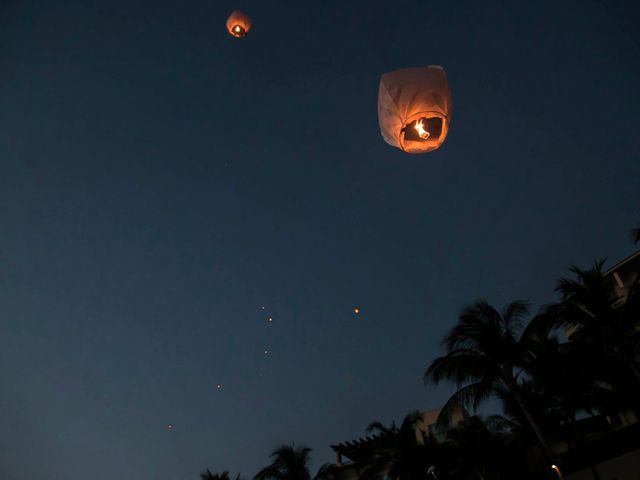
x,y
482,449
591,309
289,463
485,351
207,475
292,463
563,374
403,458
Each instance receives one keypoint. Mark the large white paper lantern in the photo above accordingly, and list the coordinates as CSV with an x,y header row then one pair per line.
x,y
414,108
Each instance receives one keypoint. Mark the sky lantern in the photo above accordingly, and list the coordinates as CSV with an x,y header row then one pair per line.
x,y
238,24
414,108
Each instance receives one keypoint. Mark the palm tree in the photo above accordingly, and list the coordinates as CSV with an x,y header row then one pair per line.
x,y
407,428
403,456
565,377
482,449
485,352
591,310
289,463
207,475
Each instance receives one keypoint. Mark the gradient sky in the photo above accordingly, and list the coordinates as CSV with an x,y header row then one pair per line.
x,y
160,181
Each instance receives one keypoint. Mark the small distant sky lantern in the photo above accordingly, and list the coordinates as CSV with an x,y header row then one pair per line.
x,y
238,24
414,108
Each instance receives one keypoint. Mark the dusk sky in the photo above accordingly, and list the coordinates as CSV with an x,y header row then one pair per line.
x,y
160,181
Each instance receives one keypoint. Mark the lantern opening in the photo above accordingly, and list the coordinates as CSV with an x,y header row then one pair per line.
x,y
238,31
423,130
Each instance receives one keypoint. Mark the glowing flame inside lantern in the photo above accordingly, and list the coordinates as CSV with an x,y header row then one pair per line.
x,y
238,30
420,129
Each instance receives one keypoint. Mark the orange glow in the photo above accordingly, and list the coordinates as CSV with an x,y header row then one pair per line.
x,y
420,129
270,319
356,310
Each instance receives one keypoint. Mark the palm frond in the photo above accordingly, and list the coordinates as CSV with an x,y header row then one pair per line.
x,y
269,473
468,397
500,424
460,366
514,315
475,324
289,463
206,475
377,426
411,420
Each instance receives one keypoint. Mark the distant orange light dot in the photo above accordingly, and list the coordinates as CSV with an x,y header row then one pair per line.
x,y
270,319
356,310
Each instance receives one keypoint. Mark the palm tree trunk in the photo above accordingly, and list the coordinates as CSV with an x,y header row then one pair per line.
x,y
582,445
536,429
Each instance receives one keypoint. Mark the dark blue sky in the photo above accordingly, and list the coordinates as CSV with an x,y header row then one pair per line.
x,y
160,180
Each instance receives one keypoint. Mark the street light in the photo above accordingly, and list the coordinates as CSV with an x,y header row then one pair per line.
x,y
556,469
